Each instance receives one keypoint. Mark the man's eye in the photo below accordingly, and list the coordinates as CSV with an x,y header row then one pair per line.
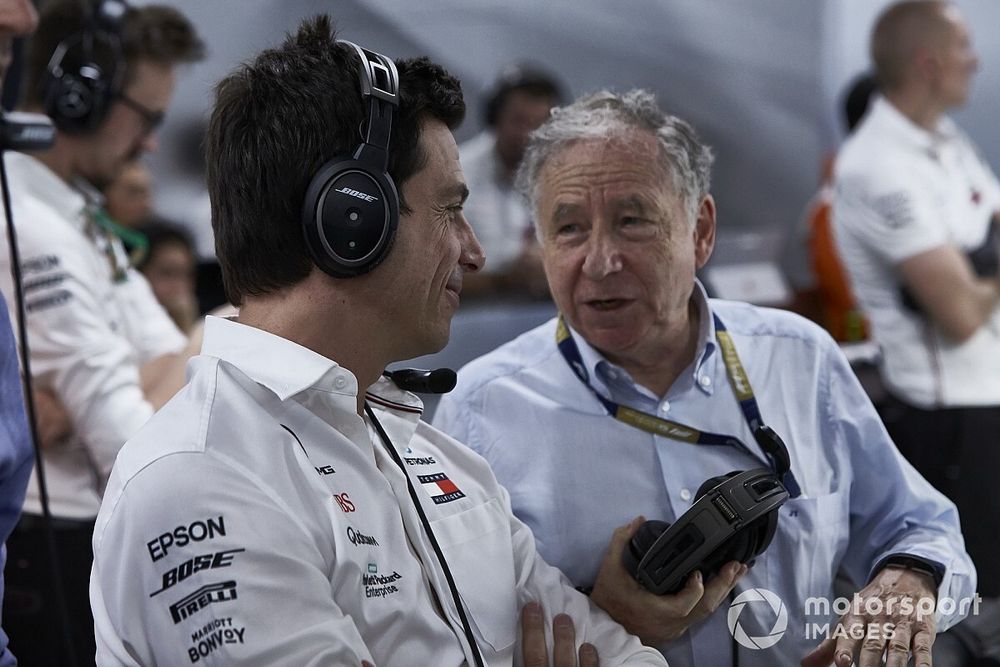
x,y
571,228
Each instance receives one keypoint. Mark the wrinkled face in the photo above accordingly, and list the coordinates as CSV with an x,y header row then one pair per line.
x,y
520,115
128,130
17,18
171,273
957,60
619,250
434,248
130,196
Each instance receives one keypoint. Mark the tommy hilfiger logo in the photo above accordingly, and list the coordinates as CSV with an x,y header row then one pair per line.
x,y
440,488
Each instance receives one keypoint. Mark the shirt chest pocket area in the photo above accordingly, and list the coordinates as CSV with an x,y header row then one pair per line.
x,y
810,541
477,546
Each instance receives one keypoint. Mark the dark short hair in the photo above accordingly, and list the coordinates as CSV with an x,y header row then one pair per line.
x,y
277,120
527,78
857,98
155,33
160,232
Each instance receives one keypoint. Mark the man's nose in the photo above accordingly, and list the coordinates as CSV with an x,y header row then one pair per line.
x,y
603,257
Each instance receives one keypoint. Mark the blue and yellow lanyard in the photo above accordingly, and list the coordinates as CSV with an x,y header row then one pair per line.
x,y
738,380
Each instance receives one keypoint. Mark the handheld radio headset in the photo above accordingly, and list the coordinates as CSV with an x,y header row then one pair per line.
x,y
733,518
77,90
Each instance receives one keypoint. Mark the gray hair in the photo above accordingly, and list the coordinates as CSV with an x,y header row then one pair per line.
x,y
606,115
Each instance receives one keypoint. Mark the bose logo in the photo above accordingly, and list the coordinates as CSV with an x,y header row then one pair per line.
x,y
354,193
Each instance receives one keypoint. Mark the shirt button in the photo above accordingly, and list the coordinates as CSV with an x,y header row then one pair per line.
x,y
340,382
705,380
685,495
665,406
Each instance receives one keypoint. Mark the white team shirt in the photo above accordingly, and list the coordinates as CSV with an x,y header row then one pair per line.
x,y
258,520
87,333
900,191
496,210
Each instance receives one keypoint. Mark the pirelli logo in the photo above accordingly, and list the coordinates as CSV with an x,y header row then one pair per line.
x,y
201,598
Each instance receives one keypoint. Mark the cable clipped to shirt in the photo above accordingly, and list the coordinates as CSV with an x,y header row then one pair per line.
x,y
19,131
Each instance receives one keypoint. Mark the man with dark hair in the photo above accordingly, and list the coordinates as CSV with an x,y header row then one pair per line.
x,y
917,220
288,507
105,74
519,101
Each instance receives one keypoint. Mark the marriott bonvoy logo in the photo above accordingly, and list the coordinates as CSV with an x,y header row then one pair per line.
x,y
818,612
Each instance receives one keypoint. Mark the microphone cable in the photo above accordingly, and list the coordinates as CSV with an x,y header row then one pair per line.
x,y
62,608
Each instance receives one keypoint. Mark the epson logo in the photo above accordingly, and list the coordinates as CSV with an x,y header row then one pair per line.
x,y
354,193
182,535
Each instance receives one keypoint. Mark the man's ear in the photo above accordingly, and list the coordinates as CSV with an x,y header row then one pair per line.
x,y
704,231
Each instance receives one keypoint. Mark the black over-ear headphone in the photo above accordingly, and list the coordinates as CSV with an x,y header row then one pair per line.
x,y
76,90
733,518
351,208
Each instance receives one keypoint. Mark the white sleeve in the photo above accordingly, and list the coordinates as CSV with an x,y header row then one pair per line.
x,y
77,349
197,562
888,213
150,329
540,582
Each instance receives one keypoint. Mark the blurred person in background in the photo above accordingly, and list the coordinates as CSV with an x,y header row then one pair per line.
x,y
128,201
170,267
105,73
916,221
520,101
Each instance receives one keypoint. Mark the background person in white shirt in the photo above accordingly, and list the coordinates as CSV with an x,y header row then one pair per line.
x,y
98,338
288,507
916,219
519,101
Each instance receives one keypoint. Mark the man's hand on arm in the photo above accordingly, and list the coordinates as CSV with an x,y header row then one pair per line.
x,y
656,619
905,624
564,652
944,284
53,419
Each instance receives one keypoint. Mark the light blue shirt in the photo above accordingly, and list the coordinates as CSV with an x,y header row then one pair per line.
x,y
575,474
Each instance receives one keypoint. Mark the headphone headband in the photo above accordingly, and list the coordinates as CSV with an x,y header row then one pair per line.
x,y
351,207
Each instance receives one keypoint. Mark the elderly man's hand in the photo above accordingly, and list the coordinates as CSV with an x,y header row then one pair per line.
x,y
54,423
564,653
907,600
656,619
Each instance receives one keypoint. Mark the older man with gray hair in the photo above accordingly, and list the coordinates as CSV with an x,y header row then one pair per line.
x,y
621,197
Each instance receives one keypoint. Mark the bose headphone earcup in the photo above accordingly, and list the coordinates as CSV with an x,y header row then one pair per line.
x,y
76,102
349,217
641,542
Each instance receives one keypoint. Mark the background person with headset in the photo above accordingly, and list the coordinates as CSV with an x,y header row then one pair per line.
x,y
104,73
643,387
519,101
288,506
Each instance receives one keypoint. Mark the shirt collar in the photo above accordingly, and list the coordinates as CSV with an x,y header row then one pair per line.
x,y
893,120
602,372
45,185
276,363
